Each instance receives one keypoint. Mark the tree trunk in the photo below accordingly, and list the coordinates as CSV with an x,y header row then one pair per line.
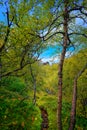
x,y
74,99
60,72
34,100
0,68
4,42
34,85
73,109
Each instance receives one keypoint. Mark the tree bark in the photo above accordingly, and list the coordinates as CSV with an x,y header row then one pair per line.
x,y
34,85
74,100
60,72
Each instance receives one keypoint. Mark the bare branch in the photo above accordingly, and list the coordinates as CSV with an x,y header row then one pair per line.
x,y
53,35
77,33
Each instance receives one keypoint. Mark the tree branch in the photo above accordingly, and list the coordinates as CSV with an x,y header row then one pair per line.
x,y
82,34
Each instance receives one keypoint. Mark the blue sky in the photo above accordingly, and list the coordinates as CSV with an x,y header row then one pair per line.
x,y
51,50
2,16
52,54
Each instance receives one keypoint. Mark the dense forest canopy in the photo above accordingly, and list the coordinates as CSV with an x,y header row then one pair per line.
x,y
31,89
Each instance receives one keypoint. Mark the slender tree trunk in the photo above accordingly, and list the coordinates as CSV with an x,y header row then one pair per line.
x,y
5,40
73,109
34,100
1,49
60,72
74,100
34,85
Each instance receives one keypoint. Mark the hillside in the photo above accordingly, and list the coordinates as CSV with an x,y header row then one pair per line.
x,y
18,110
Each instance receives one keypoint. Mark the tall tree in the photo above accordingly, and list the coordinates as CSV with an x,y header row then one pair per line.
x,y
44,20
64,22
23,45
60,73
74,99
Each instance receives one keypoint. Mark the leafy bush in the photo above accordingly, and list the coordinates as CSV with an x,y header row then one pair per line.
x,y
12,84
16,111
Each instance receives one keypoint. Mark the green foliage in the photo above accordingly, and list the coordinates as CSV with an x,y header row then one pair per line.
x,y
81,123
66,114
12,84
17,111
48,99
31,20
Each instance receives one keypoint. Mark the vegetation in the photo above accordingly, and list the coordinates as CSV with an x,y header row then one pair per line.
x,y
27,84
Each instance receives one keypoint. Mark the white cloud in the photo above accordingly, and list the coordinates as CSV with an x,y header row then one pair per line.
x,y
55,59
52,59
69,53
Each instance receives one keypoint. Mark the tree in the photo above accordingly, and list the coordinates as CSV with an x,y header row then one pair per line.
x,y
5,35
23,45
64,17
65,11
74,99
60,26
